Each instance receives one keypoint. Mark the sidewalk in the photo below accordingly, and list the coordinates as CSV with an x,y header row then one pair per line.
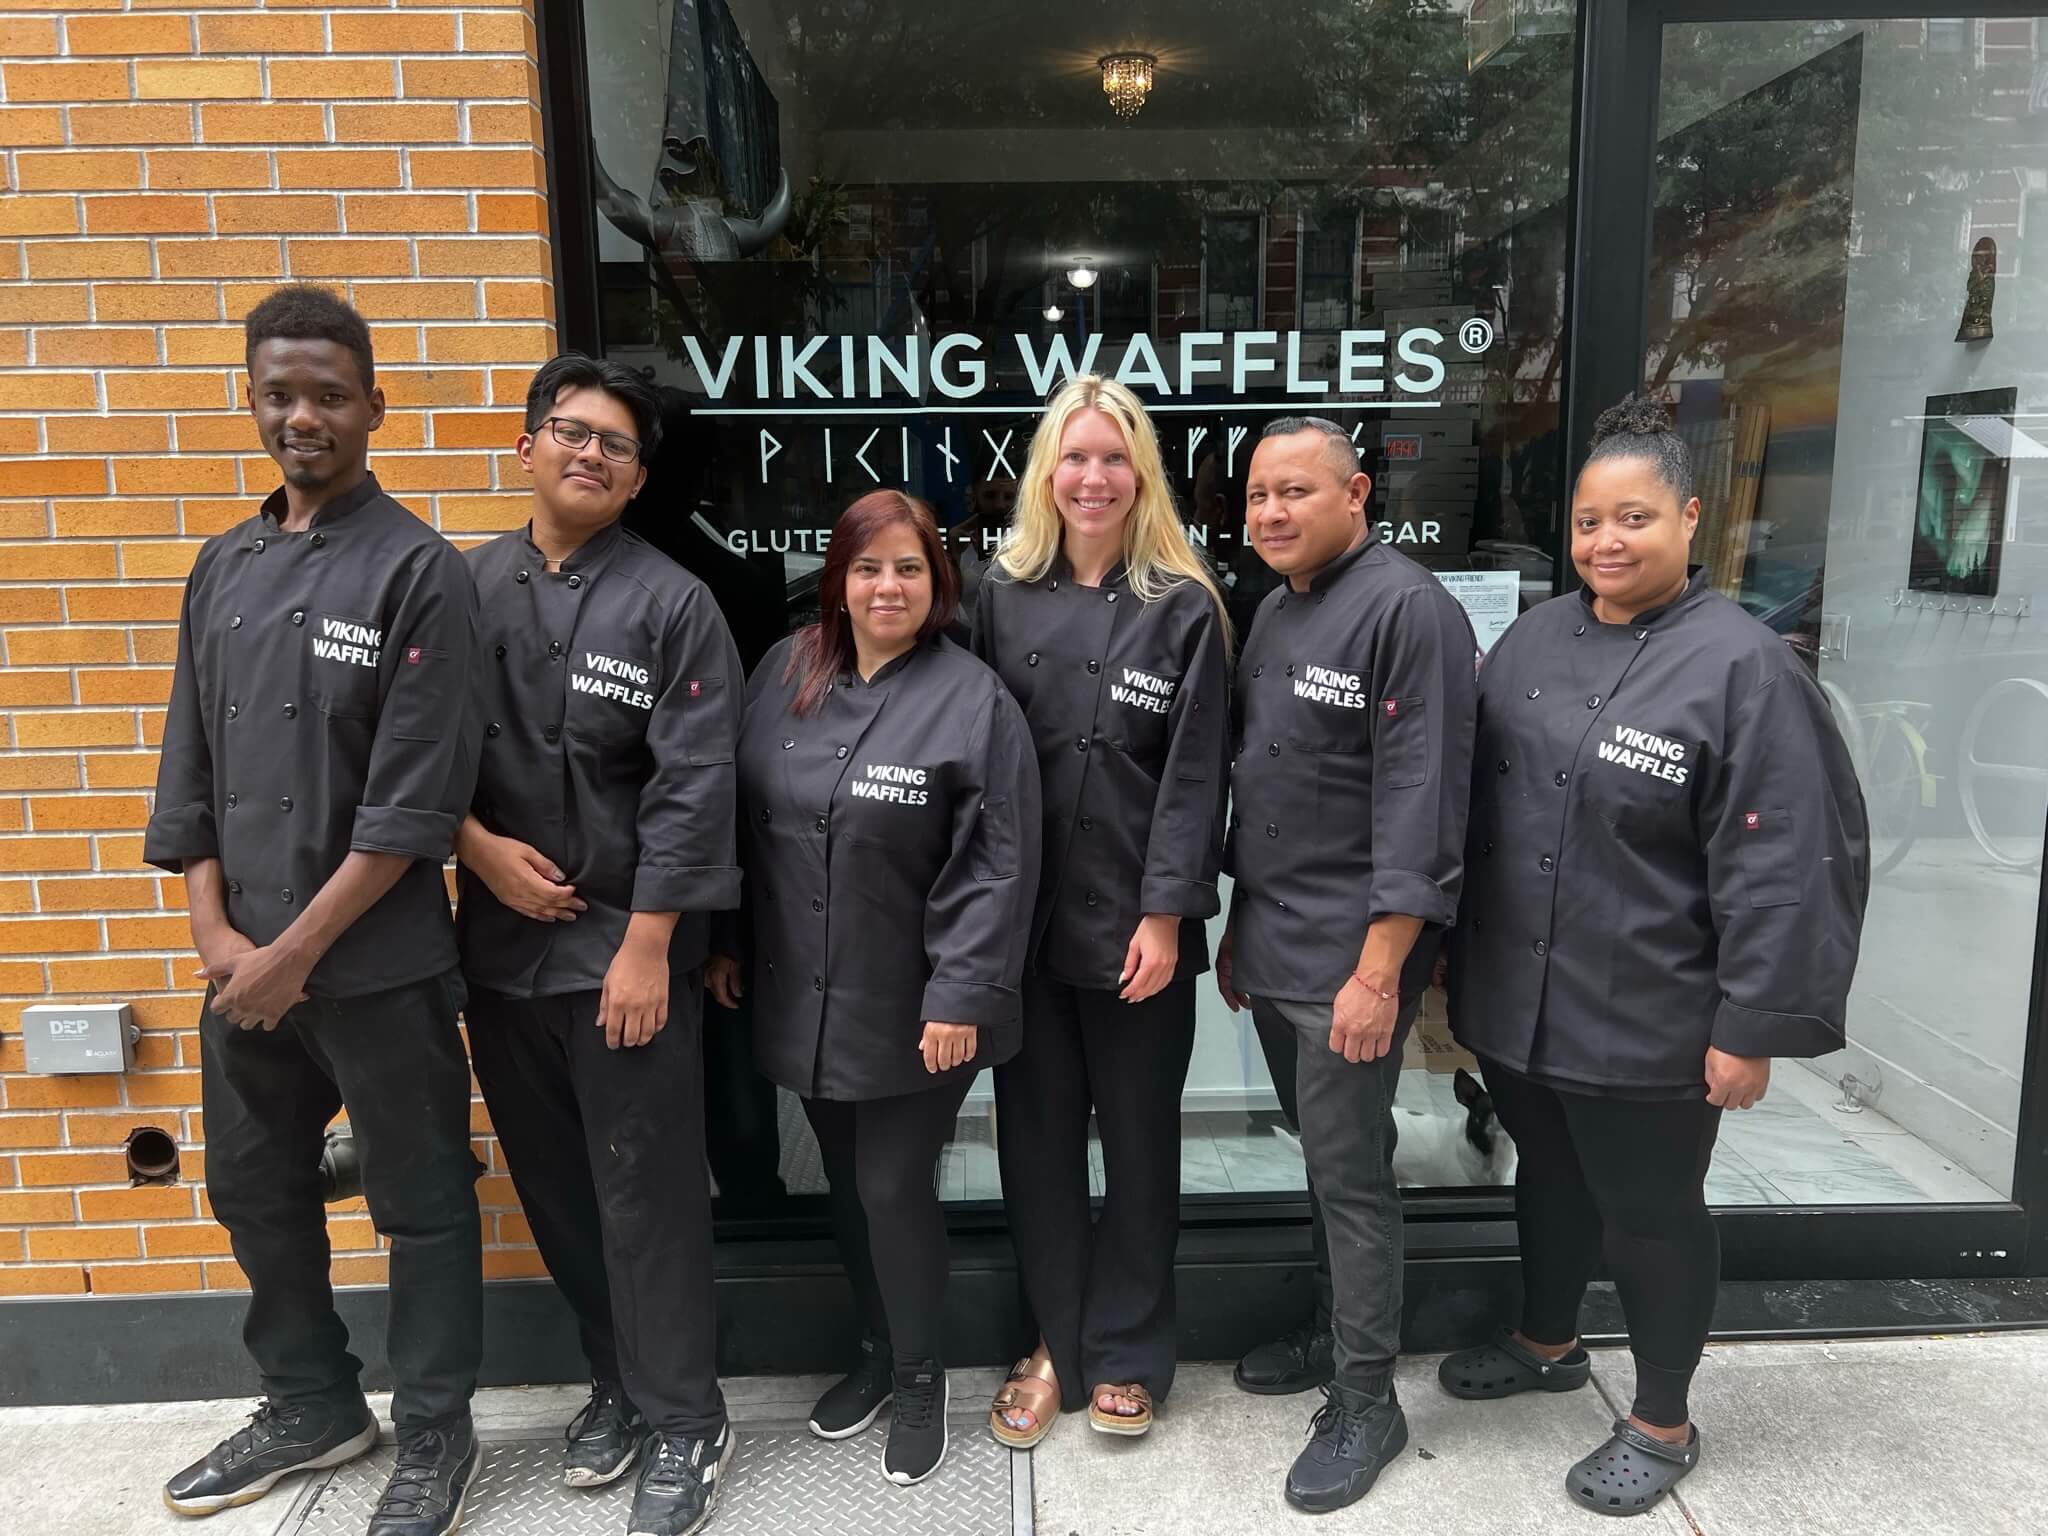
x,y
1922,1436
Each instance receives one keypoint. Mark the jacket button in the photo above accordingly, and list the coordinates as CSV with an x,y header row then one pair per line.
x,y
492,729
819,824
523,578
260,546
787,743
233,800
1642,634
299,617
1272,829
1535,693
1031,660
234,887
1593,702
840,753
766,817
1478,923
575,582
552,733
1081,745
235,622
1094,666
1501,766
1087,823
1110,598
1092,899
1561,777
817,983
234,710
554,647
1281,905
817,905
291,711
1272,749
1580,630
1290,669
1486,850
284,802
319,541
1258,671
1546,863
285,895
1542,948
501,653
1053,585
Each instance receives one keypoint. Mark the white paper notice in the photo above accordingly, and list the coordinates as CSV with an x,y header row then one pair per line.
x,y
1490,598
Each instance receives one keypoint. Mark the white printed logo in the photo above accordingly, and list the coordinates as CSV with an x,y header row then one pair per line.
x,y
893,782
1144,690
1326,685
607,677
353,644
1658,756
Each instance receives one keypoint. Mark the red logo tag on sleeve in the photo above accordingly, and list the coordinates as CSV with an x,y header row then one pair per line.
x,y
695,687
1752,819
1392,707
412,655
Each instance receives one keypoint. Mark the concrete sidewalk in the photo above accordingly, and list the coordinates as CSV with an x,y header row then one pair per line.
x,y
1922,1436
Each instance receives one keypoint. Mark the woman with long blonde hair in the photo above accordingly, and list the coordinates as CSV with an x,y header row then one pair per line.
x,y
1105,624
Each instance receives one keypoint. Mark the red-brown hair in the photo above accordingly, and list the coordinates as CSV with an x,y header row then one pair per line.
x,y
825,649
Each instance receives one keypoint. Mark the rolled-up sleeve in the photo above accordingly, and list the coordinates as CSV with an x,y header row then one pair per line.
x,y
1787,842
1185,846
1425,708
181,826
977,925
688,806
423,757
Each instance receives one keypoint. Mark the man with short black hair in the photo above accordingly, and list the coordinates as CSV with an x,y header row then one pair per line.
x,y
600,838
317,759
1354,716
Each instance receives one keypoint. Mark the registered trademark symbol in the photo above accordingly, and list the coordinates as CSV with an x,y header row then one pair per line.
x,y
1476,335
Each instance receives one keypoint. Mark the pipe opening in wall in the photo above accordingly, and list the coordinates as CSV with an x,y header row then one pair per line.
x,y
152,1156
341,1169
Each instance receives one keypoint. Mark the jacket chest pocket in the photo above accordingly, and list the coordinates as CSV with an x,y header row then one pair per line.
x,y
342,659
608,697
1136,709
1330,710
1640,783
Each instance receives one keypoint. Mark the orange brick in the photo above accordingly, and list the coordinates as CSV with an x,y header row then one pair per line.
x,y
146,214
433,472
199,80
234,433
102,604
113,519
408,300
20,771
207,516
98,81
30,125
173,932
266,123
38,216
85,1243
13,347
468,79
131,125
504,125
10,262
168,1013
128,35
184,1241
156,301
88,258
160,560
51,477
61,647
483,258
219,258
401,429
222,345
276,215
261,34
89,813
407,215
225,1276
393,34
18,437
410,123
10,821
24,690
152,1202
17,976
44,853
332,79
511,214
506,33
166,391
169,476
143,1279
106,434
87,1129
106,976
483,514
513,1264
124,893
17,1131
97,729
350,258
186,168
54,936
43,1280
477,429
329,168
21,520
160,645
123,853
22,37
96,347
363,1269
472,168
97,1090
431,386
26,1209
488,343
12,1247
46,392
77,168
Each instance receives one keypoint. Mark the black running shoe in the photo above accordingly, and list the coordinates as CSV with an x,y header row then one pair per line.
x,y
278,1439
603,1438
436,1469
679,1482
850,1405
917,1424
1351,1439
1294,1362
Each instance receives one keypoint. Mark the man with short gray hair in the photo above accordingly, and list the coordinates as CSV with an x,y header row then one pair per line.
x,y
1354,720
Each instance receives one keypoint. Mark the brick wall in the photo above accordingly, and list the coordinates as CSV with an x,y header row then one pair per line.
x,y
161,168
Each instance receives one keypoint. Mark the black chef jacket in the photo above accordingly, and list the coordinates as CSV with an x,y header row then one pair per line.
x,y
609,692
320,705
1127,704
1668,850
891,855
1353,714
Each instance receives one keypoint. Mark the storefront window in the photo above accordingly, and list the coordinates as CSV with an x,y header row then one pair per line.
x,y
857,242
1848,316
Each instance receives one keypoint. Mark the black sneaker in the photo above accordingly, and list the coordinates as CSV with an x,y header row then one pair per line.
x,y
679,1482
603,1438
1294,1362
1351,1439
917,1424
279,1438
436,1468
850,1405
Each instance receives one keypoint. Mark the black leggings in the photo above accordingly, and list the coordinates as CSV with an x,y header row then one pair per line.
x,y
881,1156
1632,1171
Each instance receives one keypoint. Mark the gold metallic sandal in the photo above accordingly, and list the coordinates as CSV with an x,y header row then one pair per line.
x,y
1033,1389
1121,1423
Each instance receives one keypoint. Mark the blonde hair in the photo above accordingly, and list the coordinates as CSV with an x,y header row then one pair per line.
x,y
1157,554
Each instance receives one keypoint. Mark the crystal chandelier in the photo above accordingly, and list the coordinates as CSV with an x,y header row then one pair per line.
x,y
1127,80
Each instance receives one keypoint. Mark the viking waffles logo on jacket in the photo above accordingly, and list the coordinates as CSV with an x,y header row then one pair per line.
x,y
1326,685
1658,756
895,782
1144,690
608,677
353,644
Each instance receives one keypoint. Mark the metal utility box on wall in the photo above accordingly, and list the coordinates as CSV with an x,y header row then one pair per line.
x,y
78,1037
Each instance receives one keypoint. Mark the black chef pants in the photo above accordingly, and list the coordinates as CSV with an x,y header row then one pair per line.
x,y
1632,1172
1344,1114
881,1156
394,1061
1102,1290
606,1149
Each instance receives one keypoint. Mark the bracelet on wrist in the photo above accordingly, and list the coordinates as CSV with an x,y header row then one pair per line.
x,y
1373,988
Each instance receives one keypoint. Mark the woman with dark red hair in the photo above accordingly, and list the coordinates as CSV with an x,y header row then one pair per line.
x,y
890,810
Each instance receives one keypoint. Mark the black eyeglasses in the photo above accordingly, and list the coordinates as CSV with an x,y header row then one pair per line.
x,y
570,433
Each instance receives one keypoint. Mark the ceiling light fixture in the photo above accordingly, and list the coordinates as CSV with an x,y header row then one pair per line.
x,y
1081,275
1054,313
1127,80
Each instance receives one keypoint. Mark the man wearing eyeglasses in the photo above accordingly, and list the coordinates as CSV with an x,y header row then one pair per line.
x,y
600,837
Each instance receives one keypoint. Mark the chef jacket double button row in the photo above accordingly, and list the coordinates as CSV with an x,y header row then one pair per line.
x,y
291,711
1093,666
553,733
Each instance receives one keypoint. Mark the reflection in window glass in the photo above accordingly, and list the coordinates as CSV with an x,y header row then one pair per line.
x,y
841,239
1841,319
